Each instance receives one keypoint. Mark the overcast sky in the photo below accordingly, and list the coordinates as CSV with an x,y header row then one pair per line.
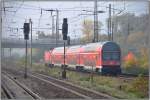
x,y
70,10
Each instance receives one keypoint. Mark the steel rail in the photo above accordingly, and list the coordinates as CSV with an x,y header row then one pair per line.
x,y
71,84
35,96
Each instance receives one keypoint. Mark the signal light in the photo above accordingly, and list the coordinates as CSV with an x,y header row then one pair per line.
x,y
65,29
26,30
26,37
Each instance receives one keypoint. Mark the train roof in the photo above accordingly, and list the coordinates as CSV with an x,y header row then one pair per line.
x,y
100,43
89,47
106,45
111,46
74,49
59,50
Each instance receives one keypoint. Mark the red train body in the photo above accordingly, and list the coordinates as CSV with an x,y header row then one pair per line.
x,y
103,56
47,57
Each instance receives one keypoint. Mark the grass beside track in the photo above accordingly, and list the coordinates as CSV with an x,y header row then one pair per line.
x,y
113,86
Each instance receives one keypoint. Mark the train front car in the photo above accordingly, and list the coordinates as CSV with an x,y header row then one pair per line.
x,y
110,58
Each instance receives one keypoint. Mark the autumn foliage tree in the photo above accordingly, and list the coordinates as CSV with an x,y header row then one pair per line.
x,y
131,33
130,60
137,64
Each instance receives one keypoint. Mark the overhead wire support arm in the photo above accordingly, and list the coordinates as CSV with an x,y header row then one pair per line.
x,y
57,22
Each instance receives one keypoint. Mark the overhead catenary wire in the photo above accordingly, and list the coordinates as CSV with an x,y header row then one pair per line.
x,y
63,9
15,12
71,9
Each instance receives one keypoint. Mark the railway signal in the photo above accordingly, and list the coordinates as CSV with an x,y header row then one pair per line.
x,y
65,29
26,30
64,32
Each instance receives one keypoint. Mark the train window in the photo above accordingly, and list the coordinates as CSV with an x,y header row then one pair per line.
x,y
111,56
106,56
115,56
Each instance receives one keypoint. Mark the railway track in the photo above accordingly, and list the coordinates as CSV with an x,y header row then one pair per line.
x,y
125,76
132,75
12,89
81,92
47,89
84,91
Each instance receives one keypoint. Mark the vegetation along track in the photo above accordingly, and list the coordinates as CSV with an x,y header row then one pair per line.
x,y
15,90
79,91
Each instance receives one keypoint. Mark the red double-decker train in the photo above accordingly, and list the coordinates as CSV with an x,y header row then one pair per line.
x,y
103,57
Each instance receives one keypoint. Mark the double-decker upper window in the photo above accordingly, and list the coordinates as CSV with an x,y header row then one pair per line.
x,y
111,56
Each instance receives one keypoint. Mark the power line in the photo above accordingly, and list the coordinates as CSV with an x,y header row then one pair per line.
x,y
27,5
60,9
78,19
17,11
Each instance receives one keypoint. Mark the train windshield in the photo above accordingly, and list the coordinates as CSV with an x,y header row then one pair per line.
x,y
111,56
111,51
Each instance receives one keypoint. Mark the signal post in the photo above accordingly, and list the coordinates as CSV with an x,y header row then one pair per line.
x,y
26,29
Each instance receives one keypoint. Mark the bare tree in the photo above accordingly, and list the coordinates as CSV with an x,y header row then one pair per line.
x,y
88,30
